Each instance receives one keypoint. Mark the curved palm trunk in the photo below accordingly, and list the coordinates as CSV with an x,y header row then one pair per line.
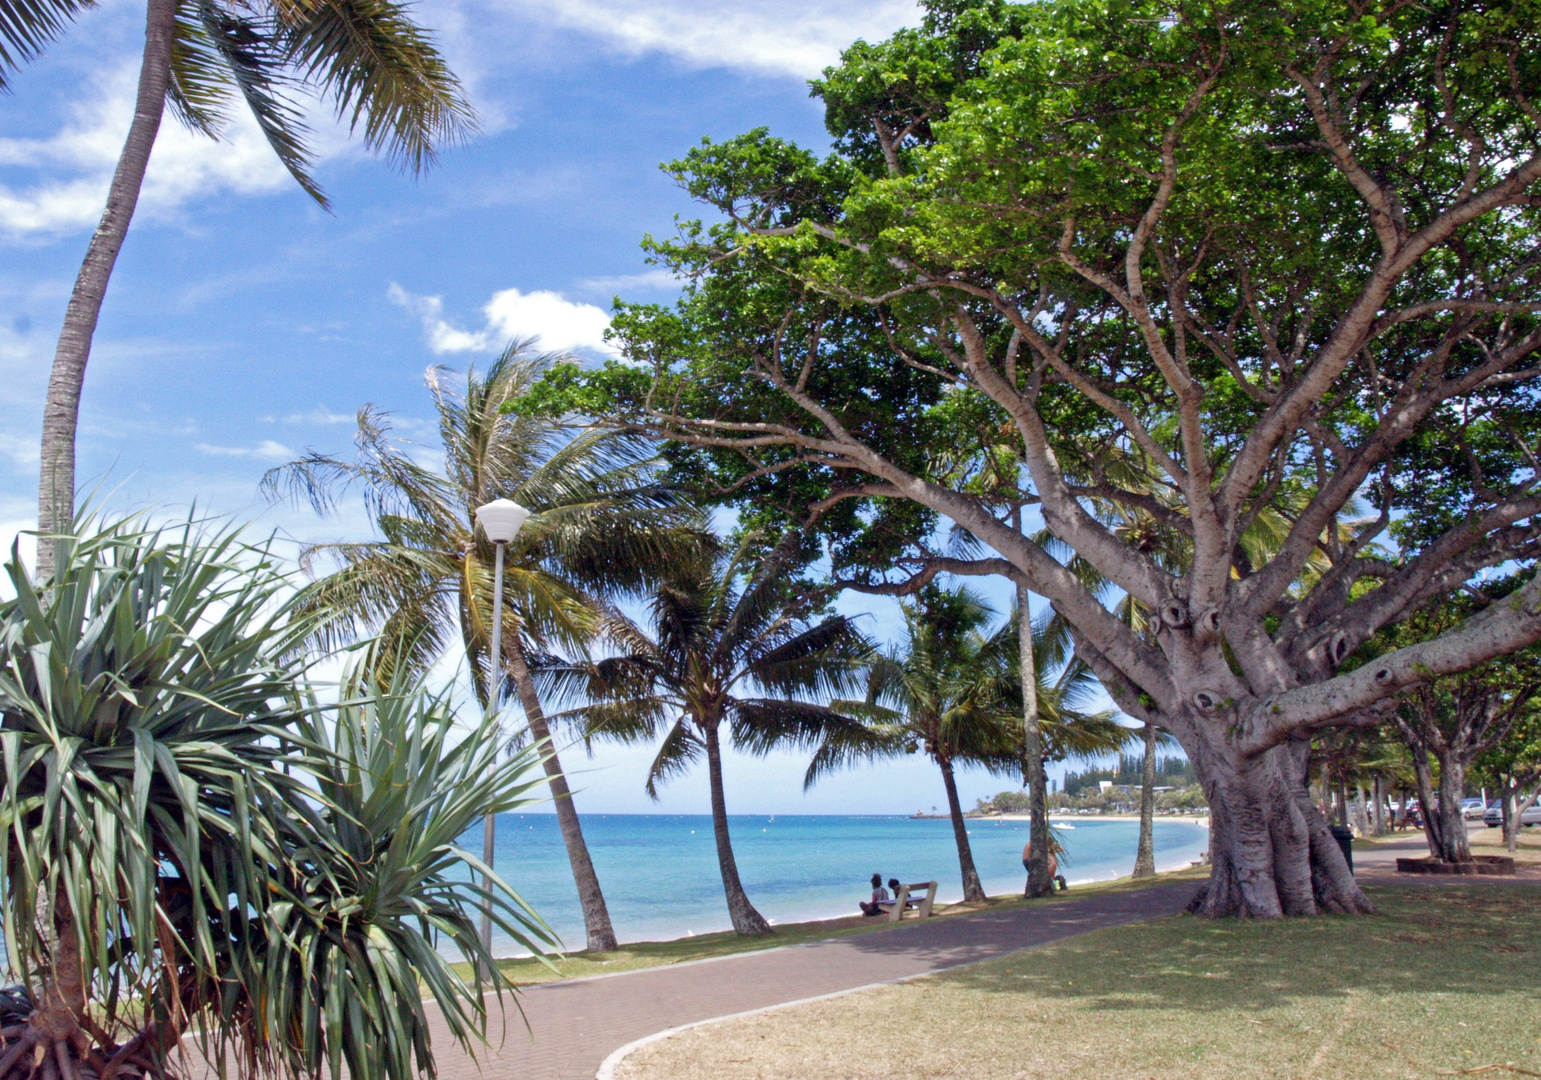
x,y
1145,850
972,890
61,409
1038,880
747,922
596,916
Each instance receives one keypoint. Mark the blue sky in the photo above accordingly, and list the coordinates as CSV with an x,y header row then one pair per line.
x,y
244,324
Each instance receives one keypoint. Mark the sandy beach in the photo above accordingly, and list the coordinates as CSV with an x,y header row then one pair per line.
x,y
1197,819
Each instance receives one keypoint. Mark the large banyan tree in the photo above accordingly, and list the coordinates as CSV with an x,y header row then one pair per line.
x,y
1259,277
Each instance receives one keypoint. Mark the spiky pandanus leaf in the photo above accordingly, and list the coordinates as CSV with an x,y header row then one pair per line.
x,y
381,898
140,689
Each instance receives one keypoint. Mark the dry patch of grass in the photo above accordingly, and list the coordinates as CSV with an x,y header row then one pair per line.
x,y
1485,841
1442,981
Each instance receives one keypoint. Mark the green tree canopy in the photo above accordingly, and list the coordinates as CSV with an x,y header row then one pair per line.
x,y
1283,255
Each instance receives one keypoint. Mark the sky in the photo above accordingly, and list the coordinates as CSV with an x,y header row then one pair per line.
x,y
244,324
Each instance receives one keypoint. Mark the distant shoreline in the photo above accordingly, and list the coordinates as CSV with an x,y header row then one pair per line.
x,y
1202,820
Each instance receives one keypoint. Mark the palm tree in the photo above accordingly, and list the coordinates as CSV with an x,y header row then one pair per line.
x,y
376,66
955,692
603,525
722,629
165,864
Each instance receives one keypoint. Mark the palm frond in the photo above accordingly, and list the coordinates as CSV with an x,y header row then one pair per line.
x,y
679,750
382,71
250,53
27,26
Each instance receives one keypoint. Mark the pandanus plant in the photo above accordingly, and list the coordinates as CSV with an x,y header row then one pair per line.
x,y
178,854
380,897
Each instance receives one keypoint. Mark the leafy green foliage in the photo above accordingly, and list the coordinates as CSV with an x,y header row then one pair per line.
x,y
380,899
730,642
192,843
954,692
142,798
26,26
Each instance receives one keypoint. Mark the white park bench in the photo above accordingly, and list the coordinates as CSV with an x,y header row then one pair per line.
x,y
910,896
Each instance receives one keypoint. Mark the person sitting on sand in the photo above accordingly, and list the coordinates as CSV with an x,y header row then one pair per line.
x,y
879,895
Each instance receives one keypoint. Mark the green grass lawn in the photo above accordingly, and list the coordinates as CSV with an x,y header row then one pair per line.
x,y
1444,980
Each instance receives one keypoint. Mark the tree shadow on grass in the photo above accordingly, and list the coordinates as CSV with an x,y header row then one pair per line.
x,y
1452,940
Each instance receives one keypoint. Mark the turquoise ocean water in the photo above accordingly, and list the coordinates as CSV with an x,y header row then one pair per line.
x,y
660,878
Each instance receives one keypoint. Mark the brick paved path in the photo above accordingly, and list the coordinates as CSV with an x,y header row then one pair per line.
x,y
575,1025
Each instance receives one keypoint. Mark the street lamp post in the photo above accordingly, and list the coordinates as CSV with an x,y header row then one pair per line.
x,y
500,522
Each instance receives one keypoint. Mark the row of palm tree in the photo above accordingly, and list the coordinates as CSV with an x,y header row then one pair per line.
x,y
729,638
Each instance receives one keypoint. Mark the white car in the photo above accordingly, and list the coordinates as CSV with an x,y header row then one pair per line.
x,y
1494,818
1471,809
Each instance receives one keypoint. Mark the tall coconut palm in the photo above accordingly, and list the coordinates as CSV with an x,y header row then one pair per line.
x,y
954,691
603,525
368,58
722,630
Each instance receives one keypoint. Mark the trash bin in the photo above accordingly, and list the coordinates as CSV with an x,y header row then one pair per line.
x,y
1345,838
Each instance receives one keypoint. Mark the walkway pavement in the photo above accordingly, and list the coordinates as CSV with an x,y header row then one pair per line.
x,y
575,1025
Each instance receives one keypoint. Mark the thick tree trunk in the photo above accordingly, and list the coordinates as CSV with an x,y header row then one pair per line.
x,y
1431,822
1269,845
1453,845
596,917
1361,813
1145,850
972,890
1515,803
61,409
747,922
1378,819
1038,881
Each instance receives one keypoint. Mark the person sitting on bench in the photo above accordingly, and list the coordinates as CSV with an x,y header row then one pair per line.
x,y
879,895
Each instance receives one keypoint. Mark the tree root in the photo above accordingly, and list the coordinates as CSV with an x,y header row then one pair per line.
x,y
41,1052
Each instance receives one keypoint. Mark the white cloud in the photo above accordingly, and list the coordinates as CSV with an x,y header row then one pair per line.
x,y
267,450
557,323
319,415
780,37
22,452
653,280
75,164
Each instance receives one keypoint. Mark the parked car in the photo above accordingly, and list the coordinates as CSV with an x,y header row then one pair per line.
x,y
1494,818
1473,808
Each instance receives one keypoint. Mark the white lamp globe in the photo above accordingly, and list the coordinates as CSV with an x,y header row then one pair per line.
x,y
501,519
